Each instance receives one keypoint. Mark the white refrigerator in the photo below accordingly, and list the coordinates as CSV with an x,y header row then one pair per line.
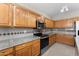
x,y
77,36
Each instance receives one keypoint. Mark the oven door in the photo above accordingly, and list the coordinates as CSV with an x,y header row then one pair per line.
x,y
44,42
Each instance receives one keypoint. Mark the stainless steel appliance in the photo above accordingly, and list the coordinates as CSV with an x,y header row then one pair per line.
x,y
40,25
77,36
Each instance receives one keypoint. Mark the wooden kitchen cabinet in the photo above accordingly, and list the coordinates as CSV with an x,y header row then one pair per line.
x,y
5,14
51,39
36,47
7,52
26,18
66,39
24,49
54,38
31,20
69,23
49,23
59,24
24,52
31,48
20,15
64,23
10,54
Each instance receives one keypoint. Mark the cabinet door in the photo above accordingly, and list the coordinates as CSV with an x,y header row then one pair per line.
x,y
66,39
31,20
64,23
5,14
69,40
50,40
26,18
53,38
49,23
59,38
69,23
6,52
26,51
57,24
36,47
52,22
19,17
46,23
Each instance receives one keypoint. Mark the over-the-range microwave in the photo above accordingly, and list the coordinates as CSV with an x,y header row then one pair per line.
x,y
40,25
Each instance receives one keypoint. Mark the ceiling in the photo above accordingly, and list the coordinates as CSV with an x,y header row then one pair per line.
x,y
51,9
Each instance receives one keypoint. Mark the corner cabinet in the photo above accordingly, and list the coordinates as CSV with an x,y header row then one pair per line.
x,y
5,14
49,23
66,39
64,23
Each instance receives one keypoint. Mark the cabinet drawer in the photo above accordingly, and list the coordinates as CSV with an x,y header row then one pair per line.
x,y
6,51
36,53
21,46
10,54
36,41
24,52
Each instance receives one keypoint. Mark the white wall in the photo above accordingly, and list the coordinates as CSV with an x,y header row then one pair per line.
x,y
66,15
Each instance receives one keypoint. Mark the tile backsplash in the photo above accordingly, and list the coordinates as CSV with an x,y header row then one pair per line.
x,y
13,36
8,33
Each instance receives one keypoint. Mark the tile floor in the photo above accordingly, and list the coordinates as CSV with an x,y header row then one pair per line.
x,y
59,49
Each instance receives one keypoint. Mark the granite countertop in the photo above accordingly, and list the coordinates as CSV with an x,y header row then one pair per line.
x,y
61,34
52,33
16,41
6,43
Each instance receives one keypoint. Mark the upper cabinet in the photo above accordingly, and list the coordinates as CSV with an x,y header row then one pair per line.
x,y
69,23
31,20
19,14
64,23
5,14
24,18
49,23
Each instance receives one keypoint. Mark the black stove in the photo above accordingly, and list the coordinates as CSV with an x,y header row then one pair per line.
x,y
44,40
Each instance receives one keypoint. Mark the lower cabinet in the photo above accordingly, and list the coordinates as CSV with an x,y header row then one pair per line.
x,y
24,52
7,52
31,48
66,39
28,49
10,54
23,49
51,39
36,47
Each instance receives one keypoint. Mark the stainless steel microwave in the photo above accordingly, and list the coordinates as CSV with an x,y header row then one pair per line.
x,y
40,25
